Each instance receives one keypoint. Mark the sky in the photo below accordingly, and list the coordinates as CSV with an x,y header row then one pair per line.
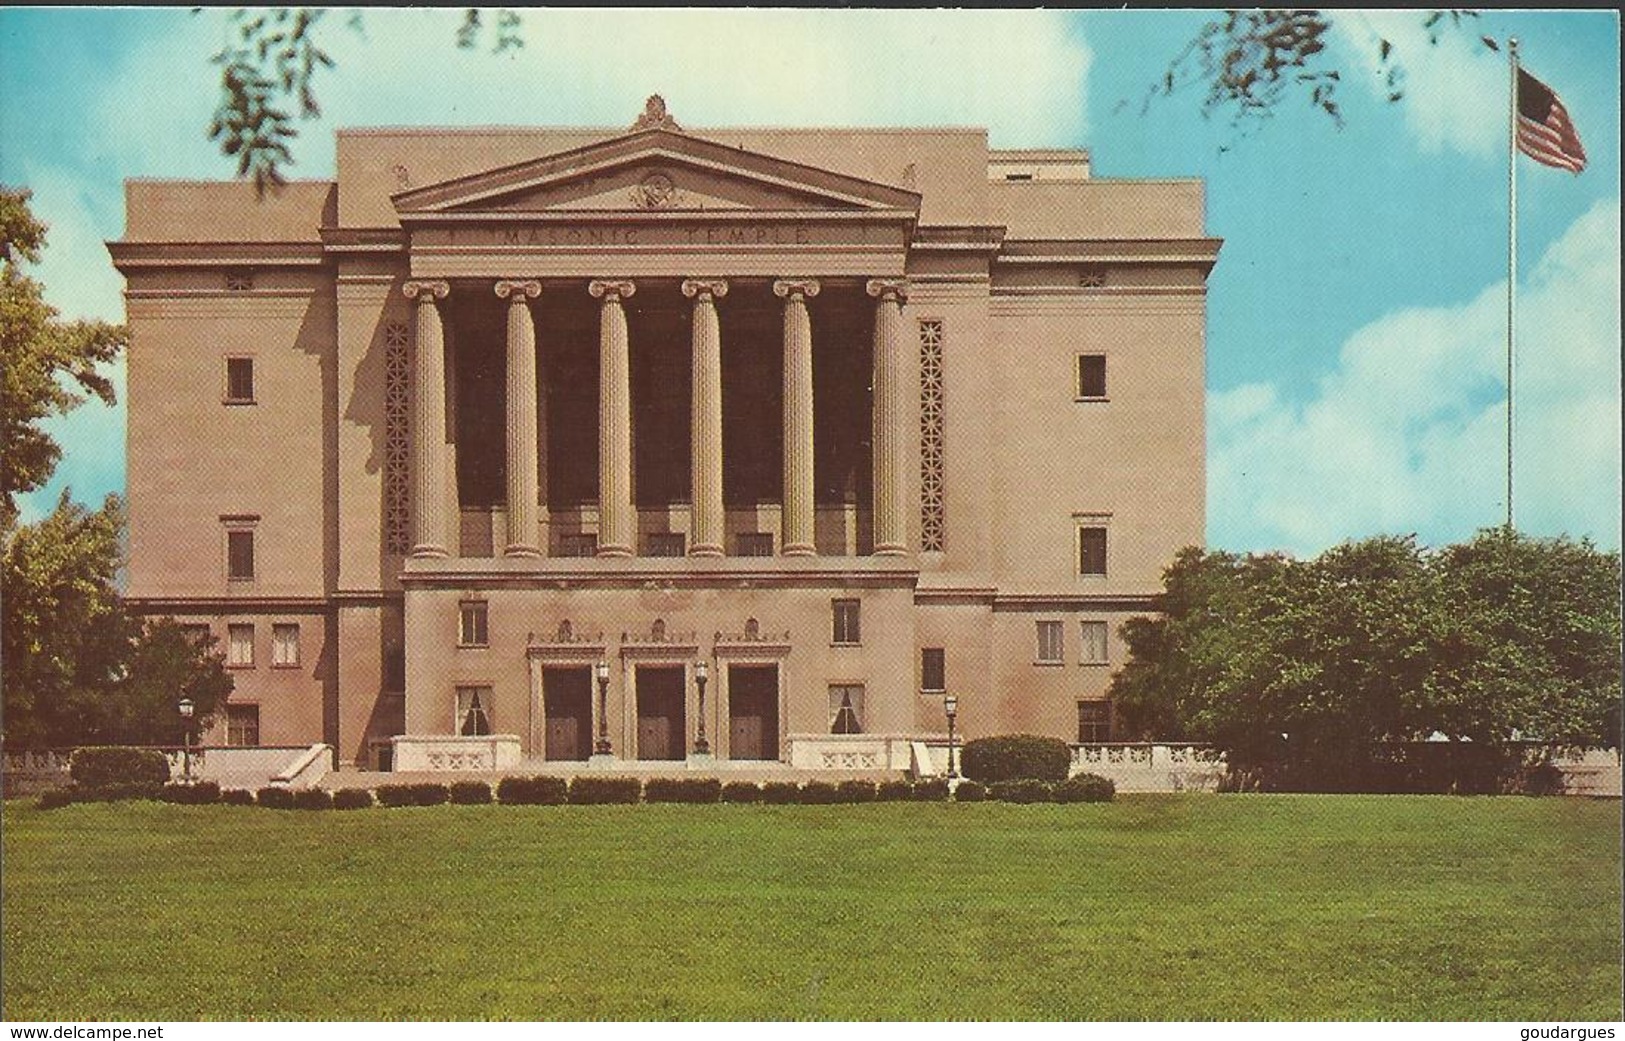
x,y
1356,317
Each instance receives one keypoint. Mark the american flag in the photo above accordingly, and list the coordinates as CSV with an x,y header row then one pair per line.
x,y
1544,131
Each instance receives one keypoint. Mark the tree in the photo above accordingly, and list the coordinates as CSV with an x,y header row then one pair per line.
x,y
164,664
41,359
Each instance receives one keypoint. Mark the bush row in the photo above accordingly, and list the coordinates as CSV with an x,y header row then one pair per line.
x,y
597,791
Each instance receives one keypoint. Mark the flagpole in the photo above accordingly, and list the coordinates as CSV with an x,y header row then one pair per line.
x,y
1512,245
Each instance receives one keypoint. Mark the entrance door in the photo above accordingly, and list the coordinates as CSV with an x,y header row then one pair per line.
x,y
660,712
753,711
567,707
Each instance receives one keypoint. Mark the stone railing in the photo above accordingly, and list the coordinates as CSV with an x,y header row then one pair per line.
x,y
437,753
856,752
1149,767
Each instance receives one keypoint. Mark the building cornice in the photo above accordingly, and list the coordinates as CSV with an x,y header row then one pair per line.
x,y
136,256
1200,251
571,573
158,605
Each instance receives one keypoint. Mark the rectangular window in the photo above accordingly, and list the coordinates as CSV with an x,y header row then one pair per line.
x,y
665,544
240,555
285,645
1094,644
1091,375
243,725
846,708
240,381
1091,551
847,621
756,544
1094,722
471,624
240,645
1051,642
473,711
578,545
933,670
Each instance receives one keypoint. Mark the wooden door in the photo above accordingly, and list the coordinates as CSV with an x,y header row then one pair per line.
x,y
567,707
753,712
660,712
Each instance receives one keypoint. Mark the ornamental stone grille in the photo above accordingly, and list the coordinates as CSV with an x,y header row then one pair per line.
x,y
931,436
397,443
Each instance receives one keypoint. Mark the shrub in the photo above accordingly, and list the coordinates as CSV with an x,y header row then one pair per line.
x,y
931,790
427,793
312,799
781,792
1086,788
469,793
855,791
970,791
741,791
200,794
275,798
682,789
54,798
598,791
99,767
352,799
533,791
894,791
1025,790
817,793
1016,757
117,792
237,797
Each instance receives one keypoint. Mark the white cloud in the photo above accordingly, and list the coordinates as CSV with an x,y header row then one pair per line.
x,y
1455,89
1407,434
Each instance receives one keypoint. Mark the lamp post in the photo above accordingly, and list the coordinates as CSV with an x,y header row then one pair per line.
x,y
701,745
950,705
186,709
602,746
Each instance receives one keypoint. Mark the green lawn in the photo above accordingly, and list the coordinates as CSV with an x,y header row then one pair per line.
x,y
1155,907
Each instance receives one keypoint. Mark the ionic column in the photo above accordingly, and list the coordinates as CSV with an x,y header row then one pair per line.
x,y
890,411
796,519
705,470
521,419
617,522
431,531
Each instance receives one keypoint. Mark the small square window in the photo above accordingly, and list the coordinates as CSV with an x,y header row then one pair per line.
x,y
1093,650
285,645
1094,722
473,711
756,544
665,544
577,545
240,645
1091,375
1091,551
239,381
847,621
472,624
240,555
846,708
1051,642
243,725
933,670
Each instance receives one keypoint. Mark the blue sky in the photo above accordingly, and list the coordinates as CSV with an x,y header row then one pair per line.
x,y
1356,317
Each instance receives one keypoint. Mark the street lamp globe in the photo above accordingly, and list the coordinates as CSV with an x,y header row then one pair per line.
x,y
701,671
186,708
603,672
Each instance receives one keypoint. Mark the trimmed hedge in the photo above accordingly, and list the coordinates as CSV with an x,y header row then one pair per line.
x,y
98,767
275,798
237,797
1086,788
599,791
931,790
818,793
1026,790
682,789
970,791
855,791
741,791
533,791
780,793
428,793
117,792
54,798
352,799
202,793
470,793
312,799
1014,757
894,791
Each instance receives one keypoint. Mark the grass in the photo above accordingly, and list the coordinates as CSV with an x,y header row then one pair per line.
x,y
1155,907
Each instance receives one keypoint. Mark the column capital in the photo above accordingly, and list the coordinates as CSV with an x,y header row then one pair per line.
x,y
803,287
516,290
430,289
612,288
888,288
705,287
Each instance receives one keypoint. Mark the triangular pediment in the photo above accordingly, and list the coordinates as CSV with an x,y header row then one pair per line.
x,y
654,170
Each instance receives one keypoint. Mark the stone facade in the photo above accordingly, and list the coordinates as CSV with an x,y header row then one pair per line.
x,y
504,433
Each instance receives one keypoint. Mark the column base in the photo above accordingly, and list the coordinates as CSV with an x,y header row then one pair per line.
x,y
705,550
429,549
614,551
891,551
798,550
521,550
